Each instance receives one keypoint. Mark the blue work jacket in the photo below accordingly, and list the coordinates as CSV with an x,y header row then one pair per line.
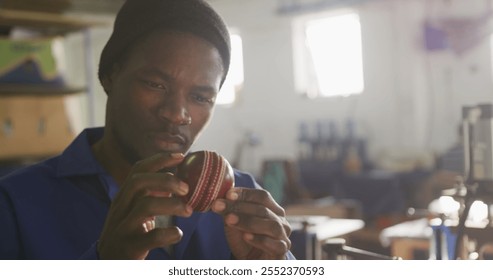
x,y
56,210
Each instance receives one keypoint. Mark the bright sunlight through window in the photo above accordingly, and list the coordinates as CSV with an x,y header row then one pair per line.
x,y
234,80
333,56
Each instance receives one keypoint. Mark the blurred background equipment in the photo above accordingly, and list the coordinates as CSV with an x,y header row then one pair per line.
x,y
477,188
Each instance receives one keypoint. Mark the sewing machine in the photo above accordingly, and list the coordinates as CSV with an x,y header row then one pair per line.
x,y
470,237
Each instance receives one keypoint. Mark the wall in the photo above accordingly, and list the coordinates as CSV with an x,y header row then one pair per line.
x,y
411,104
412,101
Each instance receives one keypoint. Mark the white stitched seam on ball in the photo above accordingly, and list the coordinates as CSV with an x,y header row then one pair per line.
x,y
218,182
195,196
211,182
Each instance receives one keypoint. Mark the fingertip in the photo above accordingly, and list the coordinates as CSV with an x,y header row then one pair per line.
x,y
232,194
177,155
285,244
176,236
180,232
218,206
232,219
188,210
183,188
248,236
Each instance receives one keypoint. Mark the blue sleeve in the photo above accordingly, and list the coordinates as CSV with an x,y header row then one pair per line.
x,y
244,180
10,243
91,253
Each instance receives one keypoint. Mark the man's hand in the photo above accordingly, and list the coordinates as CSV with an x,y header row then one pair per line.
x,y
255,225
128,232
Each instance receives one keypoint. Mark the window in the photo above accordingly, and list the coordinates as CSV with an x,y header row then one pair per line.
x,y
234,80
328,55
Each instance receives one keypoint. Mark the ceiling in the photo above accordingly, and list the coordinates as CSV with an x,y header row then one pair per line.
x,y
96,6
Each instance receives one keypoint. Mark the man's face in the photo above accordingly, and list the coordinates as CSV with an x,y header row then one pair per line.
x,y
163,94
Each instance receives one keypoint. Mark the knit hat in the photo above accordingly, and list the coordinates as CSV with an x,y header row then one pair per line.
x,y
138,18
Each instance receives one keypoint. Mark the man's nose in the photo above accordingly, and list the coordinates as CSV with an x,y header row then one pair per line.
x,y
175,110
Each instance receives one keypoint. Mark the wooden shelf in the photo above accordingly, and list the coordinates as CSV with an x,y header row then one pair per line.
x,y
40,90
48,22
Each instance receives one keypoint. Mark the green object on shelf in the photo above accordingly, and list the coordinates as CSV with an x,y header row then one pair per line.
x,y
30,60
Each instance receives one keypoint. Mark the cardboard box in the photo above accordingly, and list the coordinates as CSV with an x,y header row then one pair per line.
x,y
33,127
411,248
39,61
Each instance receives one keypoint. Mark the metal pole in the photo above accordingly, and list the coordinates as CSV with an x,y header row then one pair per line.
x,y
89,65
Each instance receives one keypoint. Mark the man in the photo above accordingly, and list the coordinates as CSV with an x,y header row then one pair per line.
x,y
161,69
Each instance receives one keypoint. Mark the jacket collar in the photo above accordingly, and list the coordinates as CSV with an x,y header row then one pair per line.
x,y
77,158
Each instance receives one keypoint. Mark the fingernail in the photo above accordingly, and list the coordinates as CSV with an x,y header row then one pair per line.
x,y
232,219
248,236
176,155
219,206
233,195
183,188
189,209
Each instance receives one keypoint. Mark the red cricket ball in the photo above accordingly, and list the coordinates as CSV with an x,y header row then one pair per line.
x,y
209,176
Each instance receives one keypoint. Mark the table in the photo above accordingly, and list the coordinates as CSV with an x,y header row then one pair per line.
x,y
311,231
408,237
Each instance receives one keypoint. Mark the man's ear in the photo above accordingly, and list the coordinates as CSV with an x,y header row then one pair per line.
x,y
107,81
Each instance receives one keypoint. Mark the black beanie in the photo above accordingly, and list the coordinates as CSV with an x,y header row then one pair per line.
x,y
138,18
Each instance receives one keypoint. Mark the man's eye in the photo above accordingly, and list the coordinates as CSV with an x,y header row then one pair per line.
x,y
154,85
201,99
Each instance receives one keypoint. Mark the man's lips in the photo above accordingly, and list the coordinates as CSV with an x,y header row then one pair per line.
x,y
169,141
